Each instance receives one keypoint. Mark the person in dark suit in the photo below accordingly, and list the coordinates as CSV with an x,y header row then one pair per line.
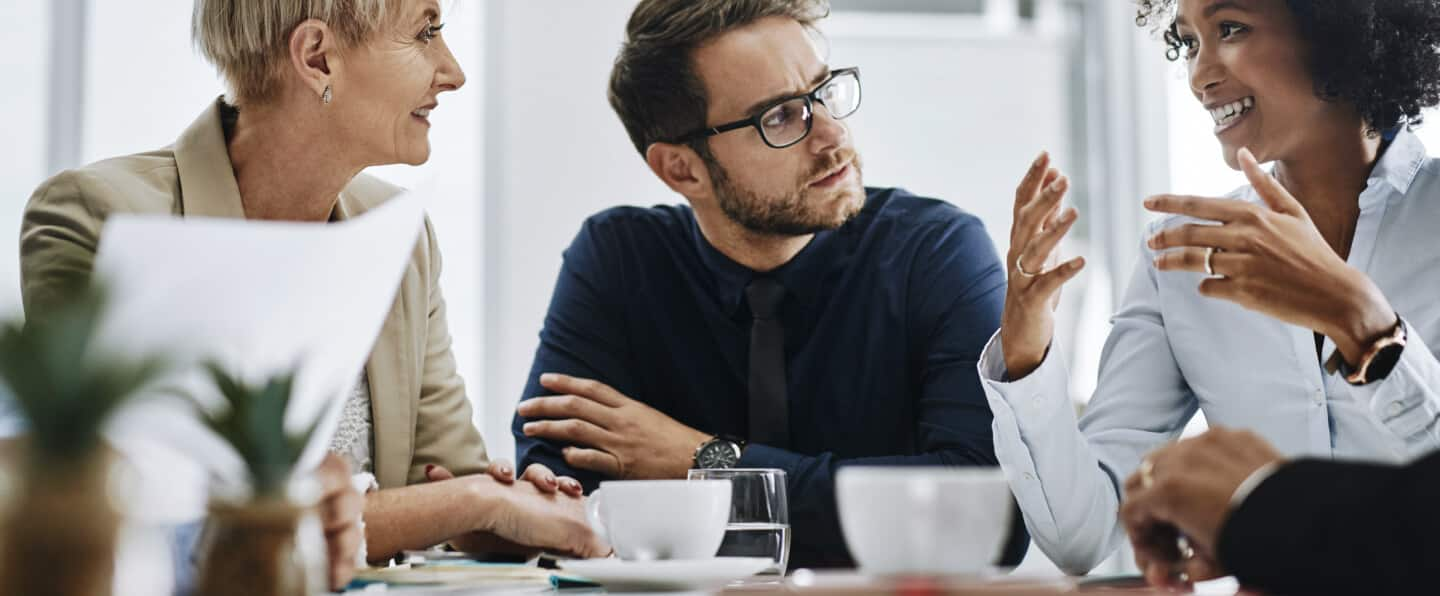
x,y
1303,526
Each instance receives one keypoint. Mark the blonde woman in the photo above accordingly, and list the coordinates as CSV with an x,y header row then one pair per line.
x,y
318,91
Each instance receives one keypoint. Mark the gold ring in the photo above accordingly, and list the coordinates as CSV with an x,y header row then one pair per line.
x,y
1021,269
1209,253
1183,545
1147,473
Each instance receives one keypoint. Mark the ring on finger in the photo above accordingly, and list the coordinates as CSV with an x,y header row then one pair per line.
x,y
1020,267
1209,262
1147,473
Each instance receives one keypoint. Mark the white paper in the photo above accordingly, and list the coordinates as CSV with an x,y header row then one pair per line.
x,y
260,298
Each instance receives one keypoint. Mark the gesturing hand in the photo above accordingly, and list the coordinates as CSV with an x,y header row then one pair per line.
x,y
1028,322
1272,259
618,436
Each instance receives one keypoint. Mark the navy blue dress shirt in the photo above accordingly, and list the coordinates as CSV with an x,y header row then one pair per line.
x,y
885,318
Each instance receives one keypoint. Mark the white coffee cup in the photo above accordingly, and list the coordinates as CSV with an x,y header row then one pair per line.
x,y
923,521
648,520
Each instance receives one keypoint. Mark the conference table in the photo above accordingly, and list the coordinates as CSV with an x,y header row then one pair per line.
x,y
854,583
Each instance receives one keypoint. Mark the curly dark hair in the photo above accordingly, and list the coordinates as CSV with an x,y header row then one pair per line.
x,y
1382,56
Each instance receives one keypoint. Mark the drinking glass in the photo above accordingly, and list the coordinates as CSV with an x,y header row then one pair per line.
x,y
759,515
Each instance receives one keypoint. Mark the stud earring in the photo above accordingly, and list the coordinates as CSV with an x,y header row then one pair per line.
x,y
325,97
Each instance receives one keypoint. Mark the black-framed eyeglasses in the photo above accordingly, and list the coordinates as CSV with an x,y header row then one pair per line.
x,y
788,121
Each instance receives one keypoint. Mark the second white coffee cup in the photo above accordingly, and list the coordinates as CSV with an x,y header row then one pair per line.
x,y
649,520
923,521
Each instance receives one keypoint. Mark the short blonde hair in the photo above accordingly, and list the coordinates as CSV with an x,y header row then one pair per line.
x,y
248,40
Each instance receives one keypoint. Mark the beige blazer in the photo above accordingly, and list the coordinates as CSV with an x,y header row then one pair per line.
x,y
421,415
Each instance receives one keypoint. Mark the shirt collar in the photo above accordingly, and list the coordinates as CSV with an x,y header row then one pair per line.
x,y
1401,161
207,177
801,276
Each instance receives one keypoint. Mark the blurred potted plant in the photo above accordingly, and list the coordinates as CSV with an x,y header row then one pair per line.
x,y
267,542
59,525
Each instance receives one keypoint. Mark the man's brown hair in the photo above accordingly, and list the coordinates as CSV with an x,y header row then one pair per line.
x,y
654,88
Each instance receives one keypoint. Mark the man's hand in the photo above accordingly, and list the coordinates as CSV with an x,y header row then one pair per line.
x,y
616,436
1185,490
340,508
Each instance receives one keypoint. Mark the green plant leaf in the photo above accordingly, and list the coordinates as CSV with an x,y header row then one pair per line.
x,y
65,391
254,424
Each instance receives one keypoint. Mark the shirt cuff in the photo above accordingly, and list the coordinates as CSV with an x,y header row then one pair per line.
x,y
1043,390
764,456
1255,479
1402,401
364,484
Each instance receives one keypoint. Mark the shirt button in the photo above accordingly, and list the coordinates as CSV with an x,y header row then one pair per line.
x,y
1029,476
1396,407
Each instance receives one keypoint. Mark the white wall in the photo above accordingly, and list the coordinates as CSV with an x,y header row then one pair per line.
x,y
142,90
24,51
936,121
556,155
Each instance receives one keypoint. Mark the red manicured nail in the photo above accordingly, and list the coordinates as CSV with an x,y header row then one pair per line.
x,y
429,468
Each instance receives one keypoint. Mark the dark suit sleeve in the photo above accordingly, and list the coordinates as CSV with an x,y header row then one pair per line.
x,y
1321,527
956,294
583,336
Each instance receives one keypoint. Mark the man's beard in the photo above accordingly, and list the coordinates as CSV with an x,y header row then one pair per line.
x,y
786,215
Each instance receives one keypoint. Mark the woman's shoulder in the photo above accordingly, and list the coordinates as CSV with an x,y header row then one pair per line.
x,y
139,183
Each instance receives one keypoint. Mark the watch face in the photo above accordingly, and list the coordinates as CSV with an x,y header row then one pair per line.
x,y
717,454
1384,362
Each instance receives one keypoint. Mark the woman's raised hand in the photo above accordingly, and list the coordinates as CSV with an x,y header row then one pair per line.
x,y
1028,323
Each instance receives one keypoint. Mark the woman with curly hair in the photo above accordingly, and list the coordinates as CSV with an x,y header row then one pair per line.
x,y
1301,307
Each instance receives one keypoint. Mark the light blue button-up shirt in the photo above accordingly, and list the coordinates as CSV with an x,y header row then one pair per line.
x,y
1172,351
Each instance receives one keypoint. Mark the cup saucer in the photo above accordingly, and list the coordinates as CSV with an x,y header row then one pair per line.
x,y
683,574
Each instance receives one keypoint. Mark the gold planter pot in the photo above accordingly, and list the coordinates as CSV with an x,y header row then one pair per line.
x,y
265,547
59,526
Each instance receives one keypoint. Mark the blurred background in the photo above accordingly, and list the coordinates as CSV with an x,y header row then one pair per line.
x,y
959,96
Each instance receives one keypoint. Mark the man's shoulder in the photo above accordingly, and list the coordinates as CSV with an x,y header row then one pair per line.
x,y
901,209
631,216
640,224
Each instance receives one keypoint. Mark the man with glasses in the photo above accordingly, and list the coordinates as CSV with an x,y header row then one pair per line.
x,y
787,318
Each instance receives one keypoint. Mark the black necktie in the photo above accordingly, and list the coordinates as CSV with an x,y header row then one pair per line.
x,y
769,411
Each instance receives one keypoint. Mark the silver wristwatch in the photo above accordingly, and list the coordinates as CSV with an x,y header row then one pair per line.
x,y
718,453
